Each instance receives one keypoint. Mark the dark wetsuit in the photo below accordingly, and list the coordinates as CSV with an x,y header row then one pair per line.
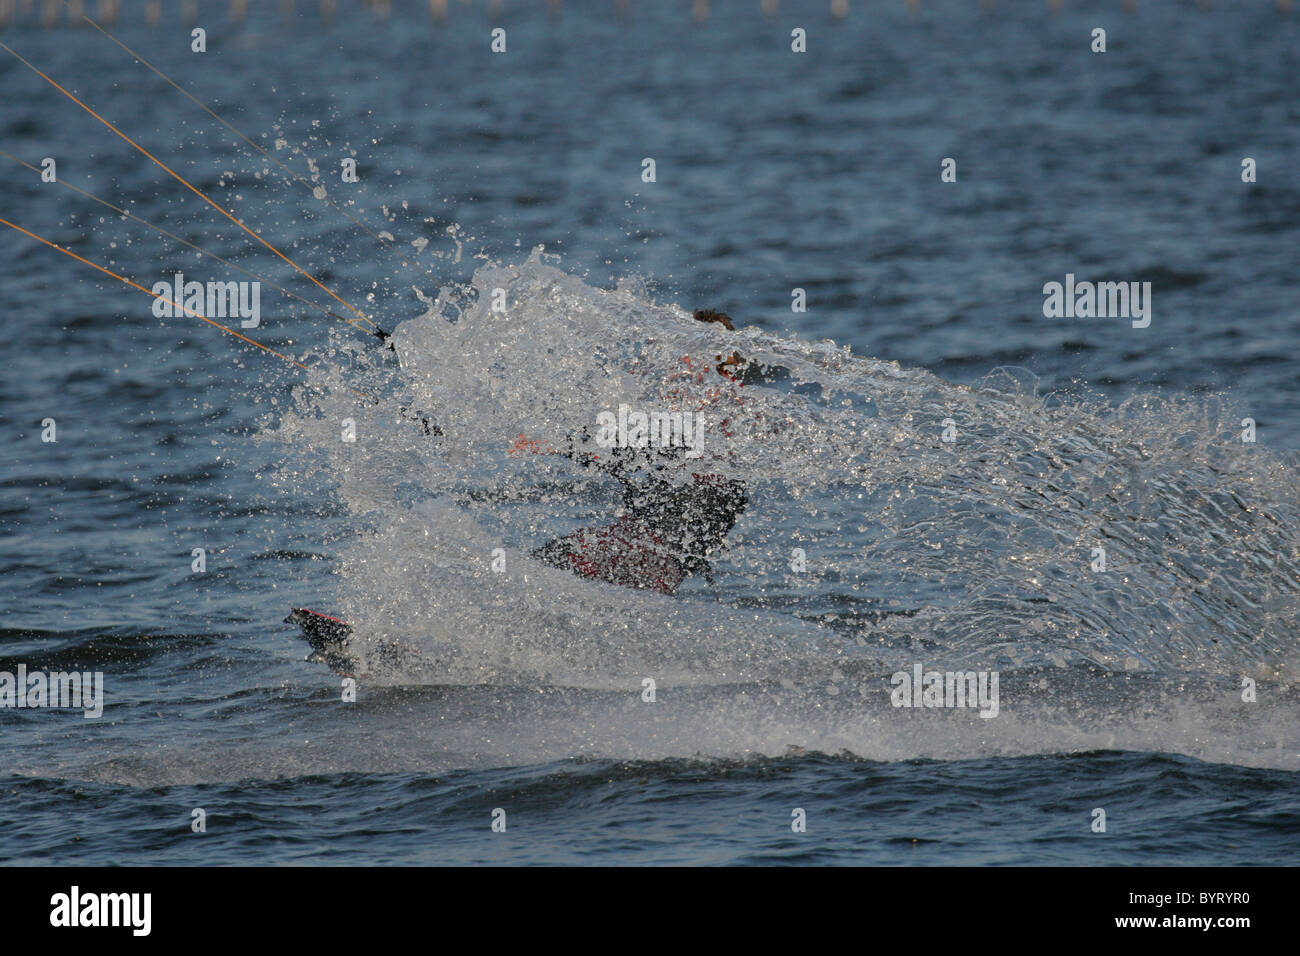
x,y
667,529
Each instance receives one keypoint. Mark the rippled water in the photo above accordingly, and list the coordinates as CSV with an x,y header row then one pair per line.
x,y
522,688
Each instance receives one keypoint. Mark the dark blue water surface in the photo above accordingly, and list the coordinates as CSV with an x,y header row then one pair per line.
x,y
774,171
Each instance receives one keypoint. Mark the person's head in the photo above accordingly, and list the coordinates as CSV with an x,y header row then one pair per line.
x,y
710,315
733,365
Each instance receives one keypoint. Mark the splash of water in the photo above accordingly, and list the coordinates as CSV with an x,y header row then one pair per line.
x,y
978,550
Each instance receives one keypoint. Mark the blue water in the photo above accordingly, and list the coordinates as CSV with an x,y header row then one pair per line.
x,y
774,171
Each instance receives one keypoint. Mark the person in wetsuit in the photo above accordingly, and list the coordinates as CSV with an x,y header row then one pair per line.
x,y
665,534
668,528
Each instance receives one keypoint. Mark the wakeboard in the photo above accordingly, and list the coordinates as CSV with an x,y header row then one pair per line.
x,y
328,638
